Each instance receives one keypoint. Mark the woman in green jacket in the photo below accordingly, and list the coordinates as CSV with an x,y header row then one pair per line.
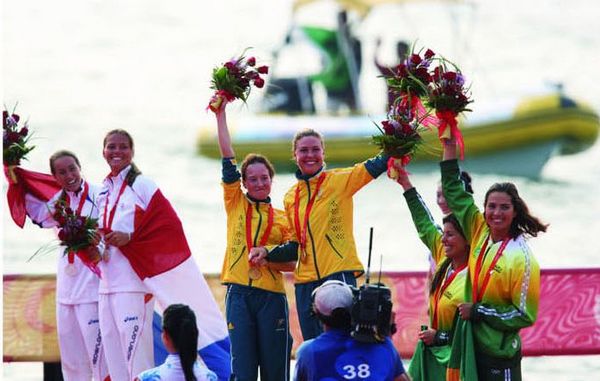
x,y
503,287
449,252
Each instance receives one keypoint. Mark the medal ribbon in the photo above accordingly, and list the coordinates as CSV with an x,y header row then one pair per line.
x,y
107,225
267,232
301,233
440,292
86,188
478,294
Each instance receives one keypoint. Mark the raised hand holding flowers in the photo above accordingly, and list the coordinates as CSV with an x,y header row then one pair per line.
x,y
449,97
14,139
234,79
400,136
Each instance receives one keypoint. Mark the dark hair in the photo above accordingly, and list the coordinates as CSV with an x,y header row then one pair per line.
x,y
304,133
465,178
134,172
62,153
439,275
179,322
338,319
524,222
255,158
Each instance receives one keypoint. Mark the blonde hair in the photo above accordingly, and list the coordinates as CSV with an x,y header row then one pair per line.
x,y
304,133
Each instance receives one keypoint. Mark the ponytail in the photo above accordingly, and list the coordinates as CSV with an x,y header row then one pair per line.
x,y
439,275
180,325
187,345
133,173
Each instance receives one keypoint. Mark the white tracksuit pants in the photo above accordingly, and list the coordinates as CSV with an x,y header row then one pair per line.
x,y
80,342
126,325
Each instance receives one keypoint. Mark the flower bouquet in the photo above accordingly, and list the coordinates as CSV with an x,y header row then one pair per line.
x,y
14,141
449,97
233,80
400,135
77,234
410,82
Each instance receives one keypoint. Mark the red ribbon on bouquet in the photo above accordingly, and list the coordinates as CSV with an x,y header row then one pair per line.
x,y
89,258
392,171
416,105
220,96
447,119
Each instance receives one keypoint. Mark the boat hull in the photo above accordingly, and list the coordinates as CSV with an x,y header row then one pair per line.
x,y
519,144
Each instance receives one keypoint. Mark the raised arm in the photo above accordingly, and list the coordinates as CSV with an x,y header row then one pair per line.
x,y
223,132
449,149
459,200
429,233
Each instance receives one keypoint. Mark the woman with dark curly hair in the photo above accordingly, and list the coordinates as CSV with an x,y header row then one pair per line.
x,y
503,287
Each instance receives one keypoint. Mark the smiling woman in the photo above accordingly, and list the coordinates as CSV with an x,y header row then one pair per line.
x,y
125,309
504,276
256,300
321,207
118,150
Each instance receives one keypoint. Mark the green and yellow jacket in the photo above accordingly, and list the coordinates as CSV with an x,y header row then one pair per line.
x,y
510,301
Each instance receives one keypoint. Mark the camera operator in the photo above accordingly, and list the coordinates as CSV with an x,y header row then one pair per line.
x,y
335,354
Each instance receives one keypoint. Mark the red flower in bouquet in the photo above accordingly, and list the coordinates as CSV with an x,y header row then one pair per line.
x,y
400,134
411,77
409,83
14,139
449,97
77,234
233,80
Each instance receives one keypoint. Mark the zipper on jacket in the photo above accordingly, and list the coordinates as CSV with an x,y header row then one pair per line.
x,y
255,235
312,241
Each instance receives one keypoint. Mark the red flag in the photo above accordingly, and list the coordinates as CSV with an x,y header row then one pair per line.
x,y
158,243
21,182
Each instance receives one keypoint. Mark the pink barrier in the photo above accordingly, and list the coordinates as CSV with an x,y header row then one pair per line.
x,y
568,318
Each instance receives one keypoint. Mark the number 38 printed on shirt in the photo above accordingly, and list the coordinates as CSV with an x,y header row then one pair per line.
x,y
352,372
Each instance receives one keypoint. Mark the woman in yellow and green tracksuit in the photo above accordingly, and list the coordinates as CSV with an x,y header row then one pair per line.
x,y
503,287
256,305
319,209
450,252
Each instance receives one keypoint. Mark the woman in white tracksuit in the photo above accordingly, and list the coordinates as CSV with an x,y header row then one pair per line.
x,y
125,304
78,329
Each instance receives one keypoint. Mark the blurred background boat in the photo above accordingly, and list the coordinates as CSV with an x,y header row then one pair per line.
x,y
511,137
517,140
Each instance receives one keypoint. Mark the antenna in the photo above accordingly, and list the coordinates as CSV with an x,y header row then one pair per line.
x,y
380,266
369,260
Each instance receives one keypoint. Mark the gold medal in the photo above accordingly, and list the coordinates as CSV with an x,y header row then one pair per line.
x,y
303,255
254,273
70,269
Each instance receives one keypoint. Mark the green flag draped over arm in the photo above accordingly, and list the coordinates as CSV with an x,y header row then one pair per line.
x,y
429,363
